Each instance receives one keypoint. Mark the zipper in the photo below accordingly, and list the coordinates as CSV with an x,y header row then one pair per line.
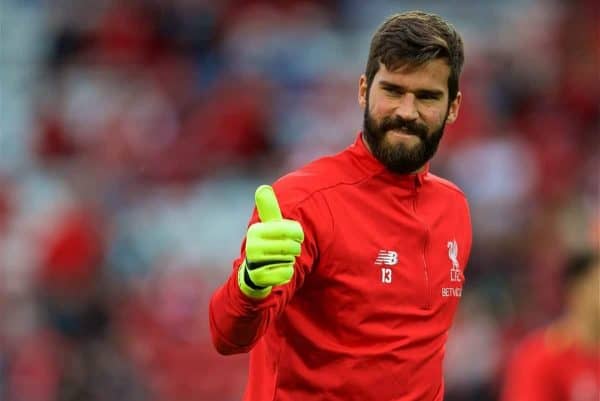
x,y
424,251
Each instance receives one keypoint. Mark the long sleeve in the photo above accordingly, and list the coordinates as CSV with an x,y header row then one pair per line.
x,y
238,322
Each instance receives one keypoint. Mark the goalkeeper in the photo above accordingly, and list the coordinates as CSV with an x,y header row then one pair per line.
x,y
352,267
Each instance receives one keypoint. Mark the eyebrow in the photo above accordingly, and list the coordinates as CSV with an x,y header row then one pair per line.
x,y
420,91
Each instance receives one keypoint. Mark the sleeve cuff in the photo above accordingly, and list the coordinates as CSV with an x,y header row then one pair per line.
x,y
246,289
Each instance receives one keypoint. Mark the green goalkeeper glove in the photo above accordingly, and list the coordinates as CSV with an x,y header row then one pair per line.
x,y
271,247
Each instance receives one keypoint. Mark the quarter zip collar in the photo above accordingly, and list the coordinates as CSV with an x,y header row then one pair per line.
x,y
374,167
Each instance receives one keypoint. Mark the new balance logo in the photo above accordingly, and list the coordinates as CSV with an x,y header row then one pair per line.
x,y
389,258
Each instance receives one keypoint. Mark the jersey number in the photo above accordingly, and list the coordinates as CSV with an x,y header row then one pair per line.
x,y
386,275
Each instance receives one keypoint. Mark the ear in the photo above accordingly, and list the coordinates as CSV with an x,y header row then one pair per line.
x,y
453,110
362,91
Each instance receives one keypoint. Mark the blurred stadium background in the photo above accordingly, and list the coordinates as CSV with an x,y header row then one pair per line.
x,y
133,134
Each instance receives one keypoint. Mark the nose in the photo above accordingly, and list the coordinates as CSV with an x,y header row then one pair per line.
x,y
407,108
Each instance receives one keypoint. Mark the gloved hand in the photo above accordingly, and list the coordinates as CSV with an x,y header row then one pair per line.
x,y
271,247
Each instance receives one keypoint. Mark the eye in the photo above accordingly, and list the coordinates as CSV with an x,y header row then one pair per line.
x,y
428,96
392,91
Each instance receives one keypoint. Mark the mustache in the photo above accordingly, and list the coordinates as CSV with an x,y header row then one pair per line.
x,y
410,127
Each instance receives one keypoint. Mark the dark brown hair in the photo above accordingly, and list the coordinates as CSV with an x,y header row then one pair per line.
x,y
414,38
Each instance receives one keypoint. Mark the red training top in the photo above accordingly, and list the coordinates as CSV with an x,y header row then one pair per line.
x,y
546,366
375,290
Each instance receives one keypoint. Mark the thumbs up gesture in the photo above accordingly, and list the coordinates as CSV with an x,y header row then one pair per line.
x,y
271,247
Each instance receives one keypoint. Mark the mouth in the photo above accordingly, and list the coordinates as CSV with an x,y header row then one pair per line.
x,y
400,133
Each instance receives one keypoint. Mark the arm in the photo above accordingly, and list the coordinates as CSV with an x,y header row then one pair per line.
x,y
237,320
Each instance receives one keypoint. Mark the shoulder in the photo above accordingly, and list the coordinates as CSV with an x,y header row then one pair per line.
x,y
445,191
445,185
316,177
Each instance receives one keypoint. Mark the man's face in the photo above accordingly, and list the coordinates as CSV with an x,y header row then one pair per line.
x,y
405,112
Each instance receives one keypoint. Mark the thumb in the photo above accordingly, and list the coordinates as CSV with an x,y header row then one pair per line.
x,y
266,204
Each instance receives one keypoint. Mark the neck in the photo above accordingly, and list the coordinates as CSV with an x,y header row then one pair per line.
x,y
365,142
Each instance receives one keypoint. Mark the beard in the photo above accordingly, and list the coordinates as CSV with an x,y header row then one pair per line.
x,y
401,158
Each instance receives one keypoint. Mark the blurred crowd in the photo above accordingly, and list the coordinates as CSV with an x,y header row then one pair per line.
x,y
134,132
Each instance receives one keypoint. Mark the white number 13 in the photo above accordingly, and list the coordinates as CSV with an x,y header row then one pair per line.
x,y
386,275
